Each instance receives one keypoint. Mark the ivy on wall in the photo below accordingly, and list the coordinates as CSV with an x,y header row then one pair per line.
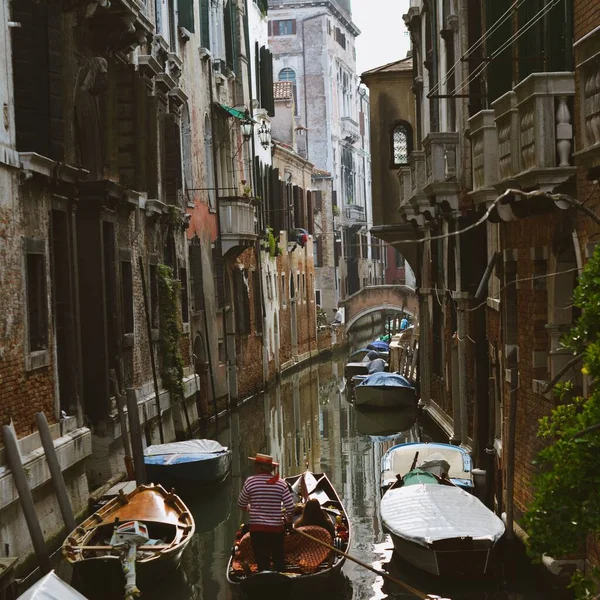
x,y
170,332
566,505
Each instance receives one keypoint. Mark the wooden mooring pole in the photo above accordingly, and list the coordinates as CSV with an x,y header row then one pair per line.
x,y
13,456
58,481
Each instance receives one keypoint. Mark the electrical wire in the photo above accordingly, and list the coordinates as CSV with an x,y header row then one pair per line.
x,y
480,41
522,30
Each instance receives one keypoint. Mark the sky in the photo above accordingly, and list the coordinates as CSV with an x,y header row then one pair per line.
x,y
383,38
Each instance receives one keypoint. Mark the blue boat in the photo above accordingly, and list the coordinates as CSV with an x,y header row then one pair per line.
x,y
379,346
200,461
385,390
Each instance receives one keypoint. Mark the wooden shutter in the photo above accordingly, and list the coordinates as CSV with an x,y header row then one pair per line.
x,y
196,273
267,100
310,216
37,72
185,14
172,172
319,251
231,35
317,197
258,321
205,24
219,277
270,28
293,26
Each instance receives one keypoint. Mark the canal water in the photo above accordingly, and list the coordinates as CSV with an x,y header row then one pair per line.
x,y
306,419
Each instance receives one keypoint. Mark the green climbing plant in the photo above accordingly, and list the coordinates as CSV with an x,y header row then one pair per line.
x,y
566,504
170,331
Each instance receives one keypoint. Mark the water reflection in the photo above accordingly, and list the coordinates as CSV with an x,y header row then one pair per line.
x,y
306,420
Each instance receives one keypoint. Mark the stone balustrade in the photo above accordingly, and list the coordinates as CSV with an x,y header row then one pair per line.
x,y
238,222
405,181
484,152
587,56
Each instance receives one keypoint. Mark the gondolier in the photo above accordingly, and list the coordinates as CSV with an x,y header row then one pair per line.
x,y
263,495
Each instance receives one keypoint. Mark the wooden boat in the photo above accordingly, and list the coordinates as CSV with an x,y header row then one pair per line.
x,y
355,368
402,458
298,576
51,587
385,390
199,461
439,527
97,563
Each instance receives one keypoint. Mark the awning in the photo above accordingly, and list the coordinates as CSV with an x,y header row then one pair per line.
x,y
234,112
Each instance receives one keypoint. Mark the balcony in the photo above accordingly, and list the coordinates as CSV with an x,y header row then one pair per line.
x,y
350,130
441,149
484,152
418,179
355,212
535,134
238,223
405,182
587,56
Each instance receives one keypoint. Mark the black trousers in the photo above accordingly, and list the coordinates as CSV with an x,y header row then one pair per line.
x,y
268,546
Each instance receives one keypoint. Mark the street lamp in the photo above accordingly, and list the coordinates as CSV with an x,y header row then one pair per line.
x,y
264,135
246,127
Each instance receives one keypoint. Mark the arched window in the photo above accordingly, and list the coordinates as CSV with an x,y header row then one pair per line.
x,y
401,143
288,74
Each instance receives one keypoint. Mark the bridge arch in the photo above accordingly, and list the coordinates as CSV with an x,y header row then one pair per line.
x,y
379,298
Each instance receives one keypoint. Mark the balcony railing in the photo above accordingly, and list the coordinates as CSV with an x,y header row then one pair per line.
x,y
238,222
350,129
484,151
405,181
587,52
440,156
535,132
355,212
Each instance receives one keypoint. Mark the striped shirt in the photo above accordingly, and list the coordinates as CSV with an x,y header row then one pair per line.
x,y
264,501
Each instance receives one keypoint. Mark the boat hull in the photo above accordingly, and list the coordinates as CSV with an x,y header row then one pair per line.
x,y
207,471
457,557
385,396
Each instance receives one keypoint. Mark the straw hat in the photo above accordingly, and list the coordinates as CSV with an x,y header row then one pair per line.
x,y
264,459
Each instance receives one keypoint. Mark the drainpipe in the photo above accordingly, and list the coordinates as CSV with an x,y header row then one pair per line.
x,y
217,198
510,453
461,298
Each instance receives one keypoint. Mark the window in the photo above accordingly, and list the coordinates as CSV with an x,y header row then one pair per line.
x,y
258,321
287,74
283,27
37,301
401,143
340,37
195,253
283,294
185,306
127,296
242,300
318,297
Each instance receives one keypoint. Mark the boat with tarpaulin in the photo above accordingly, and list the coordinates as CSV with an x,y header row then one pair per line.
x,y
385,390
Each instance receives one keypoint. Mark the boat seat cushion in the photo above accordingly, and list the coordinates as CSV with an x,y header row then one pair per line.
x,y
300,551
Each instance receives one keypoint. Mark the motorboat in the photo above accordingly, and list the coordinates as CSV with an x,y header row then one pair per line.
x,y
130,542
51,587
309,565
385,390
402,458
439,527
198,461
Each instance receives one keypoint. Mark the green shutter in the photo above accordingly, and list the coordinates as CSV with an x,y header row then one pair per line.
x,y
205,24
185,15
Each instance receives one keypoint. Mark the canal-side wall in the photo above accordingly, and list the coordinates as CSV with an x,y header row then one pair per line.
x,y
73,446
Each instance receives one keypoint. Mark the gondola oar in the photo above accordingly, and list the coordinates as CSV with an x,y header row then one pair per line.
x,y
408,588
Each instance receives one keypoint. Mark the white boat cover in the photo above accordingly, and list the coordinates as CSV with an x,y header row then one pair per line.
x,y
51,587
186,447
426,513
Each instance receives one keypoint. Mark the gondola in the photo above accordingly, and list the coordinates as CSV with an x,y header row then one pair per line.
x,y
147,529
300,576
191,461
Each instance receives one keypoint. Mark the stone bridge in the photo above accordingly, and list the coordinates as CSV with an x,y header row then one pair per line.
x,y
379,298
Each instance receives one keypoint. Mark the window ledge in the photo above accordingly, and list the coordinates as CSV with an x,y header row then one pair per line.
x,y
184,34
205,53
128,340
186,328
538,385
37,360
155,334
